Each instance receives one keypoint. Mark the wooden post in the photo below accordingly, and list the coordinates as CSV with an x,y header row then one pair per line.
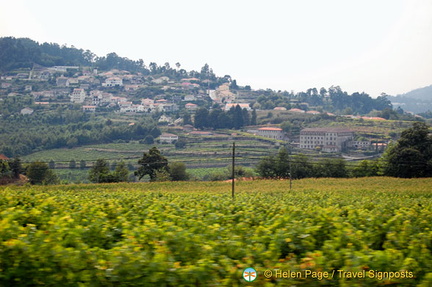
x,y
290,172
233,171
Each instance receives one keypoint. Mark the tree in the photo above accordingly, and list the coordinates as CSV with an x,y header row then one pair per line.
x,y
275,166
234,85
40,173
187,119
5,170
301,167
266,167
411,155
335,167
72,164
253,118
213,118
162,175
16,167
149,139
237,116
286,126
100,172
151,163
121,172
180,144
177,171
201,118
366,168
83,164
282,163
246,117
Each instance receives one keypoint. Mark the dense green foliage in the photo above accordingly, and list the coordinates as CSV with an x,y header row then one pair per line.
x,y
66,129
10,170
411,155
19,53
40,173
194,234
332,99
100,172
234,118
299,166
151,164
177,171
24,52
5,170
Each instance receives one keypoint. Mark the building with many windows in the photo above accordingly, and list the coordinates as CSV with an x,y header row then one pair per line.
x,y
168,138
78,96
326,139
271,132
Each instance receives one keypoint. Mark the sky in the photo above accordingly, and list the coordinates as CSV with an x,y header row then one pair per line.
x,y
371,46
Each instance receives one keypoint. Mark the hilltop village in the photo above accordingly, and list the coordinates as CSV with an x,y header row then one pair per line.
x,y
69,109
170,99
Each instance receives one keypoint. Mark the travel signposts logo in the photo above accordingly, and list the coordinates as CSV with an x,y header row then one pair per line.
x,y
250,274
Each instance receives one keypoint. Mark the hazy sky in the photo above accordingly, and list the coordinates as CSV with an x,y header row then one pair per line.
x,y
373,46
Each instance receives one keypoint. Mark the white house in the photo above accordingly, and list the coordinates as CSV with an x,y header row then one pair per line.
x,y
161,80
106,98
26,111
168,138
271,132
90,109
189,98
63,68
78,96
147,102
113,82
295,110
191,107
166,107
96,97
117,100
165,119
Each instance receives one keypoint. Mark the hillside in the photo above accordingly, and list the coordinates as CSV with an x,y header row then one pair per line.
x,y
416,101
57,102
28,67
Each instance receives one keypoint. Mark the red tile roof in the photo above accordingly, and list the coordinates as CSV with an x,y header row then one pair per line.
x,y
270,129
3,157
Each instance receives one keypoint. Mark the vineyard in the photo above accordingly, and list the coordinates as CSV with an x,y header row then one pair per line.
x,y
196,234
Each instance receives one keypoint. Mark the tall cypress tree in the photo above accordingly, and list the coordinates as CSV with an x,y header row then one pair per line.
x,y
238,121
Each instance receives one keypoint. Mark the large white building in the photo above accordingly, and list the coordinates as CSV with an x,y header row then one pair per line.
x,y
327,139
78,96
168,138
271,132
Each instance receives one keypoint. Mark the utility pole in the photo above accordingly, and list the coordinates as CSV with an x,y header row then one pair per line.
x,y
290,159
233,171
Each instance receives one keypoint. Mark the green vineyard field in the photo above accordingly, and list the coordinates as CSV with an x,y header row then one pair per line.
x,y
358,232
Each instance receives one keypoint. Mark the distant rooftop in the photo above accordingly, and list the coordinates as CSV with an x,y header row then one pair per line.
x,y
328,130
